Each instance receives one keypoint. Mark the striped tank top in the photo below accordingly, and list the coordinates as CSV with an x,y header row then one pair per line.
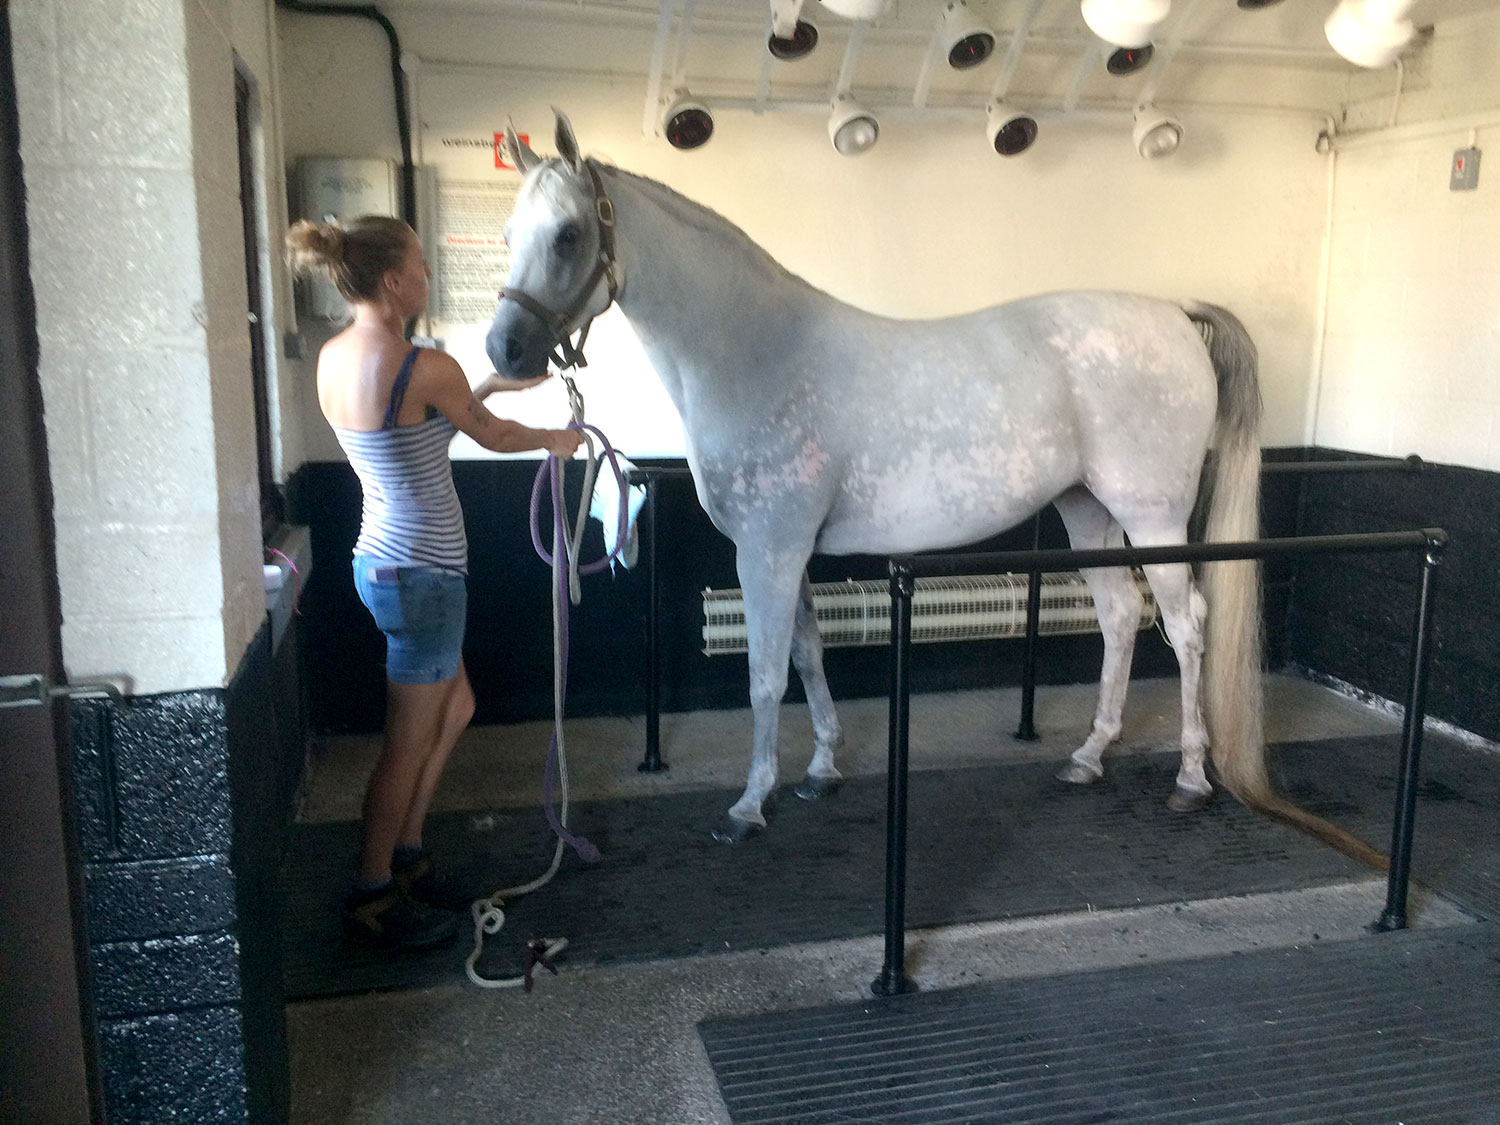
x,y
411,514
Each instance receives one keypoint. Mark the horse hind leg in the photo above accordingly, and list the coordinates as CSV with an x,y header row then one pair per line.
x,y
1118,603
1183,612
823,777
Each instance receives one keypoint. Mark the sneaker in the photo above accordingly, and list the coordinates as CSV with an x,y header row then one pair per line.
x,y
425,884
391,920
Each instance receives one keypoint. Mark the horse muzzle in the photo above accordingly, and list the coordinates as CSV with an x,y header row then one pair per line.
x,y
517,344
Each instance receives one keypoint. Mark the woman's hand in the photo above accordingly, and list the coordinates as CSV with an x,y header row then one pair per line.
x,y
493,384
562,443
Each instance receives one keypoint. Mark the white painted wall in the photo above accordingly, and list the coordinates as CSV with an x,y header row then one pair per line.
x,y
929,223
128,141
1411,360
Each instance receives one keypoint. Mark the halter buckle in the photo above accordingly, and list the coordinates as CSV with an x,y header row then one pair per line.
x,y
606,210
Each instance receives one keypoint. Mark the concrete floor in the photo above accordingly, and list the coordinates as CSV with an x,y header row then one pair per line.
x,y
618,1043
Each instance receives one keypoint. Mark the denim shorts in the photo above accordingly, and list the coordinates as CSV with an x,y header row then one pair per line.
x,y
421,610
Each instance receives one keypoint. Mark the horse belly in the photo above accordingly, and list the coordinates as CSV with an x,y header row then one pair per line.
x,y
929,499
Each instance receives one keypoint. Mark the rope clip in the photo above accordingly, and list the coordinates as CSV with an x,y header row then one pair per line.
x,y
575,398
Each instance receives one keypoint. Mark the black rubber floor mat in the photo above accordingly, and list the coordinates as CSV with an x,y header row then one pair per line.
x,y
1392,1027
1456,843
985,844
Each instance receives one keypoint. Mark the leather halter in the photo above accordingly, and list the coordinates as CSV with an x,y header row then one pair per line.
x,y
606,267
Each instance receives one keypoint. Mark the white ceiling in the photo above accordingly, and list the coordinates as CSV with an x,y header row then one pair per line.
x,y
1209,51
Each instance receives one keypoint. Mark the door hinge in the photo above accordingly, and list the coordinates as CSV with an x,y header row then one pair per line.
x,y
34,689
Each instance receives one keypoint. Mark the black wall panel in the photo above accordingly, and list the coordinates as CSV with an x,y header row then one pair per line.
x,y
185,798
1352,616
508,649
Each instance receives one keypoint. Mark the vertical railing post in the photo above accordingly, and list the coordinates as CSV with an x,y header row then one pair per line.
x,y
1026,732
1394,915
652,762
893,978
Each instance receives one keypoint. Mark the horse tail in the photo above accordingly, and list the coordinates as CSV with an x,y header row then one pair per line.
x,y
1233,693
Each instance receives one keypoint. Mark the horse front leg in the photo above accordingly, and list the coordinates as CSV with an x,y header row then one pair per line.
x,y
823,777
769,582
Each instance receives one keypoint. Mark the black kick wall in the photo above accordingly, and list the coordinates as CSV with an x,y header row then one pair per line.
x,y
508,651
1351,617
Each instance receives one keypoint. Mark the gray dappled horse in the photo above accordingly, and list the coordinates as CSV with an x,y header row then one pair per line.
x,y
814,426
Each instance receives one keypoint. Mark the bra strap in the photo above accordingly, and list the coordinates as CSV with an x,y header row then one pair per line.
x,y
398,389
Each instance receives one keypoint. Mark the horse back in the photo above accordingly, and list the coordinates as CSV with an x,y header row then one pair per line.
x,y
953,430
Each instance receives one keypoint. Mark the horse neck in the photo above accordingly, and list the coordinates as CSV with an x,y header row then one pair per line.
x,y
712,310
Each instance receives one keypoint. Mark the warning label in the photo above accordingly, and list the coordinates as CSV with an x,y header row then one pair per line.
x,y
473,259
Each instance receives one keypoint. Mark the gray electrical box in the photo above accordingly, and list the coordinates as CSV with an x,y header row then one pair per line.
x,y
339,188
1465,173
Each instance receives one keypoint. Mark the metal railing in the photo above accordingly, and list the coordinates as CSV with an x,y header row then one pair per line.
x,y
904,570
1026,728
649,477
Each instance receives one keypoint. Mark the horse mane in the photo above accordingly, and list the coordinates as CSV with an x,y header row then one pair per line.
x,y
708,221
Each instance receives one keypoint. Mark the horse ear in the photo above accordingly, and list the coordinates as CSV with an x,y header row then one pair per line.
x,y
567,143
517,151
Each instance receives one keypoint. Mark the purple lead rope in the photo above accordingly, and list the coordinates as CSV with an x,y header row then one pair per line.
x,y
553,468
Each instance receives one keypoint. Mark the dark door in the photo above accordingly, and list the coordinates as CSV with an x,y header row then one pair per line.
x,y
47,1041
270,498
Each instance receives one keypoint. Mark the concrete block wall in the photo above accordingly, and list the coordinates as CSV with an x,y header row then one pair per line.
x,y
127,130
137,250
1411,353
155,827
182,805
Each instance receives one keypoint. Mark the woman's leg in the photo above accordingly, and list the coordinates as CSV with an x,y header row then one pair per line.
x,y
415,716
458,709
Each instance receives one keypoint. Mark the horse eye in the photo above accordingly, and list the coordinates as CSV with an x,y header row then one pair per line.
x,y
567,240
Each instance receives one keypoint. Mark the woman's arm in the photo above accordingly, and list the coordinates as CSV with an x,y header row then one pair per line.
x,y
446,388
493,384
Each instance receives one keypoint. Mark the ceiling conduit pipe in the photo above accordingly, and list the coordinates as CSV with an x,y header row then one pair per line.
x,y
1164,51
1091,55
924,79
398,82
1013,52
658,62
684,37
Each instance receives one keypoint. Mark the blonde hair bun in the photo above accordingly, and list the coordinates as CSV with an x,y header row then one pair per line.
x,y
354,255
312,245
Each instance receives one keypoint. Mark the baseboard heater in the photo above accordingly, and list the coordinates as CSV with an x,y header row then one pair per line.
x,y
963,608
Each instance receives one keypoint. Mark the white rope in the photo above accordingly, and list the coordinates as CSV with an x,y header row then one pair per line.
x,y
488,912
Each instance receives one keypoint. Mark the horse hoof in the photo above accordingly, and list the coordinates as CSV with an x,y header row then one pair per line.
x,y
1075,773
1186,800
735,830
813,787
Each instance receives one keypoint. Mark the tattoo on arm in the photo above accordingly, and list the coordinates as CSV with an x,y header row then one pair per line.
x,y
479,412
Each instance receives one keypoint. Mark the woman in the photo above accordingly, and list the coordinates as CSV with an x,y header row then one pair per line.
x,y
395,409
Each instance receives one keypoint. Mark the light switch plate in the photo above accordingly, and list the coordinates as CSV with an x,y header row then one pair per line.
x,y
1465,173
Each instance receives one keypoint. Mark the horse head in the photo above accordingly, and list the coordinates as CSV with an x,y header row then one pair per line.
x,y
563,271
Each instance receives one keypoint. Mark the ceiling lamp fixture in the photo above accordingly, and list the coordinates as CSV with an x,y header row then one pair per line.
x,y
1010,131
1128,60
1256,5
1370,33
851,127
686,123
965,39
867,10
798,44
1124,23
1155,134
791,36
